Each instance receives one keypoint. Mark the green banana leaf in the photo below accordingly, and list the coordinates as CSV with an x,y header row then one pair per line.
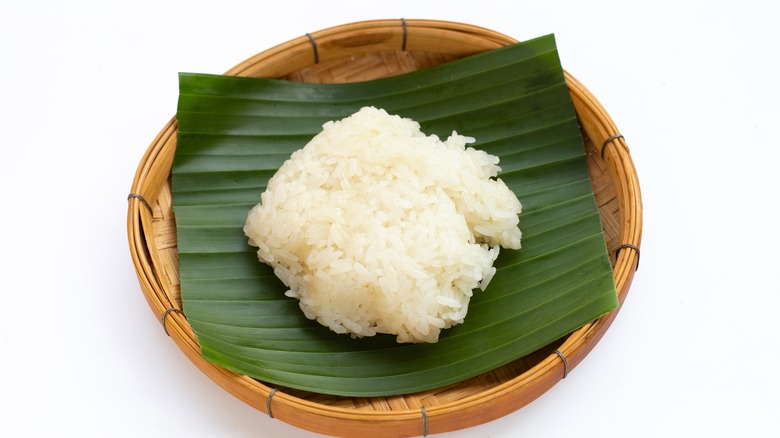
x,y
235,132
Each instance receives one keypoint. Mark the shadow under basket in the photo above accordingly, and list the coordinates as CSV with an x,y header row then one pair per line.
x,y
363,51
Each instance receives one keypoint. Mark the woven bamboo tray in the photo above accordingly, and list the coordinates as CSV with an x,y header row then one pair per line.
x,y
362,51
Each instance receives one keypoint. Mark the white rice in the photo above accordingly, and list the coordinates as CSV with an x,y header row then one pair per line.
x,y
377,228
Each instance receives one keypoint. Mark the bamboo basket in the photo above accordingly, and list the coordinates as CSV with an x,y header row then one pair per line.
x,y
362,51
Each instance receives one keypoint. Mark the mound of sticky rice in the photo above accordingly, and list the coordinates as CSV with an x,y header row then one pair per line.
x,y
377,228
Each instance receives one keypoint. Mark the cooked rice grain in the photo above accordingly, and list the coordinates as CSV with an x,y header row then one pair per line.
x,y
377,228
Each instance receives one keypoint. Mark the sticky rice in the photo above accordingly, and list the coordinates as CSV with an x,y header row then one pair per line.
x,y
376,227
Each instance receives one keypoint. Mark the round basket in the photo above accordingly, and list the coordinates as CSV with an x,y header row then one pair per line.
x,y
362,51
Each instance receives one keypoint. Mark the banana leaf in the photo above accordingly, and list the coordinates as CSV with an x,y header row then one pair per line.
x,y
235,132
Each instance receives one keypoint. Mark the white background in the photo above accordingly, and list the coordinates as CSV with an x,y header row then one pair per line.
x,y
693,86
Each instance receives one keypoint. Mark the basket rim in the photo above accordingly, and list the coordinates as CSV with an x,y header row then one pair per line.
x,y
492,403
